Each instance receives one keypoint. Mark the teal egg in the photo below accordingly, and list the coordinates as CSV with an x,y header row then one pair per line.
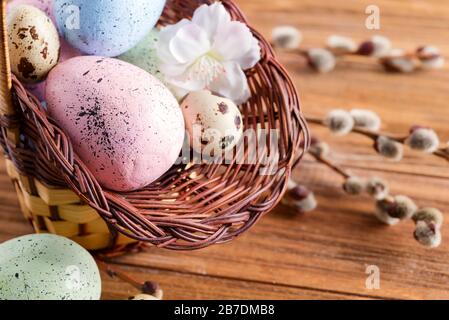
x,y
144,54
47,267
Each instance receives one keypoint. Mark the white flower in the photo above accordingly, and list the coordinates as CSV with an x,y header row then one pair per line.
x,y
209,52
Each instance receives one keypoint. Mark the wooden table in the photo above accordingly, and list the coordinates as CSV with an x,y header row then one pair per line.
x,y
324,254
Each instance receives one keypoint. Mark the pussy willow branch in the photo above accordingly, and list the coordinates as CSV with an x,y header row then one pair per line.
x,y
339,53
146,287
332,165
384,61
390,209
441,152
335,167
305,52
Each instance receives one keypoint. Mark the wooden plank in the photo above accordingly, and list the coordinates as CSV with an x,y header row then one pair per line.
x,y
324,254
331,247
177,285
185,286
327,249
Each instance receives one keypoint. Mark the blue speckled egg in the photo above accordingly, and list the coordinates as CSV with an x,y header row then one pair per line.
x,y
106,27
47,267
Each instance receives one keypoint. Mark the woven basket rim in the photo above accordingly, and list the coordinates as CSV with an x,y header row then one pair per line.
x,y
217,205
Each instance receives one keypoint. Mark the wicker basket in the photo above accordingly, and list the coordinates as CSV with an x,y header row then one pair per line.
x,y
190,207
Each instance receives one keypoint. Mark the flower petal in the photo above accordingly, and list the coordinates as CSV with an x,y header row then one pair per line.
x,y
232,84
250,58
165,35
232,41
172,69
186,82
210,17
189,43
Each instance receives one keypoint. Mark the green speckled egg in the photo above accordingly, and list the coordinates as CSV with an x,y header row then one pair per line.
x,y
144,55
47,267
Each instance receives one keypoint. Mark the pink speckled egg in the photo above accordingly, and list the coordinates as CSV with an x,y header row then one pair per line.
x,y
124,124
66,52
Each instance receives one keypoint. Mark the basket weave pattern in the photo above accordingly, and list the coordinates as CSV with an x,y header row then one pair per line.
x,y
190,207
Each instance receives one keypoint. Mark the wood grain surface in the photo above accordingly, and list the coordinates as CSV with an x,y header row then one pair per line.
x,y
324,254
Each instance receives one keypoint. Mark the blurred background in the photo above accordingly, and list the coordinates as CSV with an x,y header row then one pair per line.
x,y
325,254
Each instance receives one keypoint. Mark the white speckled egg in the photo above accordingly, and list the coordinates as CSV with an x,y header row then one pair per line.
x,y
124,124
33,43
47,267
144,54
212,121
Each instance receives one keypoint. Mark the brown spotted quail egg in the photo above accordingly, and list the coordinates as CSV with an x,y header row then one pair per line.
x,y
33,43
212,122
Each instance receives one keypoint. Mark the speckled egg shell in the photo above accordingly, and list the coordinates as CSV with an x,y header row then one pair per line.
x,y
107,27
212,114
66,52
144,54
33,43
47,267
44,5
124,123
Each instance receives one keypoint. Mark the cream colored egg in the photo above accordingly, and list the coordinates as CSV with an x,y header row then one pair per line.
x,y
33,43
214,124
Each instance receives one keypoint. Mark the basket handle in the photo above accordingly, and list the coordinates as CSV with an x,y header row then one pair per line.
x,y
6,108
